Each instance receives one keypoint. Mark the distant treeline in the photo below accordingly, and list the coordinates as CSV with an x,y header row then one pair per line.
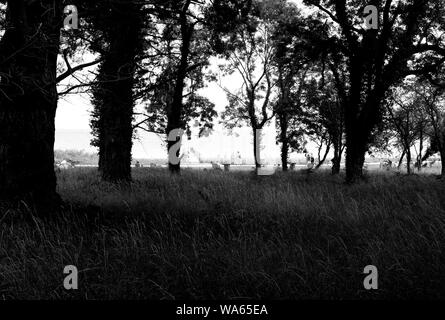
x,y
79,156
83,157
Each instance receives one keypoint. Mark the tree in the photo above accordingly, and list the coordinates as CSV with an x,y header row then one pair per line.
x,y
377,59
28,101
406,121
291,63
288,108
433,102
323,120
186,48
251,58
121,26
195,106
159,96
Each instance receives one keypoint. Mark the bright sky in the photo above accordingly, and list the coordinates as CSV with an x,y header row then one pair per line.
x,y
73,116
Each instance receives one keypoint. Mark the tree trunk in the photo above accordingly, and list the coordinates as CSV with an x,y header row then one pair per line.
x,y
284,141
174,118
401,158
362,108
28,102
336,161
408,160
360,120
322,160
174,112
419,157
114,94
336,165
355,155
256,149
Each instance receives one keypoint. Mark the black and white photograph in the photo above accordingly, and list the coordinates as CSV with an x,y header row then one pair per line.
x,y
236,152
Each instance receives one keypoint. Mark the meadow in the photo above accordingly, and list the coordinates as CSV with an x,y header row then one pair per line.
x,y
229,235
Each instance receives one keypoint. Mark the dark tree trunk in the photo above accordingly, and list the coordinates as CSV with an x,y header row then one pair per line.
x,y
356,147
337,142
28,102
357,131
408,161
175,109
284,140
320,159
419,157
336,161
113,96
336,165
360,120
401,158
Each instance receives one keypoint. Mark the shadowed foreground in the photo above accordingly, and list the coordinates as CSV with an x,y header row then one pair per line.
x,y
207,235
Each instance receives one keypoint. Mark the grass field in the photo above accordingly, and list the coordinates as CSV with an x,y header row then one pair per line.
x,y
209,235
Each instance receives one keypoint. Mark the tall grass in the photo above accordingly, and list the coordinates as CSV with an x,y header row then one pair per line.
x,y
210,235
